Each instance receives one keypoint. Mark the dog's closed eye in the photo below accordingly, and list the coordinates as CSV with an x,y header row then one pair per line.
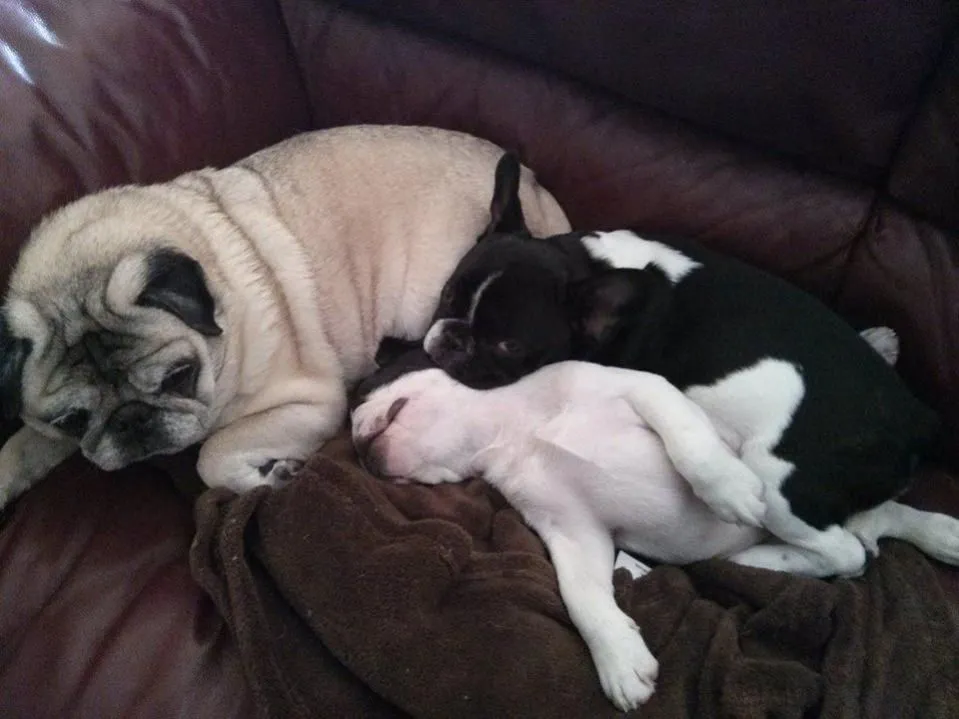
x,y
395,408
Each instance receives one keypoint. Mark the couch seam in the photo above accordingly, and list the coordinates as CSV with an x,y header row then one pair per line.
x,y
298,63
880,191
927,89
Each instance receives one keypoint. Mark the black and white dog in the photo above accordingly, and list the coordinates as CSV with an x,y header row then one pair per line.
x,y
594,458
826,424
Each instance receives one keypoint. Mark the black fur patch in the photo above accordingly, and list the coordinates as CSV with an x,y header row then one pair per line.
x,y
621,313
506,211
391,348
177,285
395,358
13,355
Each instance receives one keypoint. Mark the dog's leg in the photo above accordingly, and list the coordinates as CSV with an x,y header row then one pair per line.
x,y
717,476
269,447
26,458
583,556
935,534
810,551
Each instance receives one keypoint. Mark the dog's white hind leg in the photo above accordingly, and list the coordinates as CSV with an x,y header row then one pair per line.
x,y
935,534
810,551
714,472
583,554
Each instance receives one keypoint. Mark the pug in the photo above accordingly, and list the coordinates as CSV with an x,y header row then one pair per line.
x,y
234,307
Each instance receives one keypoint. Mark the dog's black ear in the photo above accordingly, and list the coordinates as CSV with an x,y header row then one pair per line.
x,y
599,305
176,284
391,348
13,355
506,211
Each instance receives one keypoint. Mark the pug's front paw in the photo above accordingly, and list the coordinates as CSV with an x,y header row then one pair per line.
x,y
276,472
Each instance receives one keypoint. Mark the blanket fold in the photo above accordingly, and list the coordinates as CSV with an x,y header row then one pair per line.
x,y
352,597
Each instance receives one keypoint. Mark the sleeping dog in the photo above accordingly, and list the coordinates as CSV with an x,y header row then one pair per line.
x,y
593,457
826,424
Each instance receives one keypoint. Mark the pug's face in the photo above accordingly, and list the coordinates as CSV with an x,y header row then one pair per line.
x,y
120,360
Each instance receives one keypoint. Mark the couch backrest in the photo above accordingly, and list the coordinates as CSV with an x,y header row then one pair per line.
x,y
865,90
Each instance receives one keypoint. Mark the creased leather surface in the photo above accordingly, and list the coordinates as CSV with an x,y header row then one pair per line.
x,y
831,83
925,173
99,616
610,165
103,92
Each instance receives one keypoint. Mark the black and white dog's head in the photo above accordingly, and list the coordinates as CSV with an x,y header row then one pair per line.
x,y
516,303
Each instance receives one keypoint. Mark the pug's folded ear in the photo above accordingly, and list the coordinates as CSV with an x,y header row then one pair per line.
x,y
13,355
599,305
176,283
506,211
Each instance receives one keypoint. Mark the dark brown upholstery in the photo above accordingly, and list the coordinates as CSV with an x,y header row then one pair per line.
x,y
821,142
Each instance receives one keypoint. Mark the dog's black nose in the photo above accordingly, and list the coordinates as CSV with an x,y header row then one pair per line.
x,y
131,418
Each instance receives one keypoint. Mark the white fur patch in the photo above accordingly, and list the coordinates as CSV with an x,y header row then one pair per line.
x,y
751,409
478,295
624,249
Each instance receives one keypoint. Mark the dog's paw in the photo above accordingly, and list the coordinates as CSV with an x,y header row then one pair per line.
x,y
870,542
737,500
627,670
279,471
939,538
884,341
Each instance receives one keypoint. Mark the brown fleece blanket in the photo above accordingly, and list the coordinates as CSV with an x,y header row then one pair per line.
x,y
352,597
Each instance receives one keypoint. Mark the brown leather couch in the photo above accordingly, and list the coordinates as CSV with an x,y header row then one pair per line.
x,y
817,139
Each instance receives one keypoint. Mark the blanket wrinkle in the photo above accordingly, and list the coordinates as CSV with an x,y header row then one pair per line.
x,y
353,597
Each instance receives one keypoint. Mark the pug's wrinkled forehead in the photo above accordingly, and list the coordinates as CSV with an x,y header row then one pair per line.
x,y
112,296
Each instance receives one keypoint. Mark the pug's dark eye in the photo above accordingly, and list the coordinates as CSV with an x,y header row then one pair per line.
x,y
73,422
181,379
508,348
